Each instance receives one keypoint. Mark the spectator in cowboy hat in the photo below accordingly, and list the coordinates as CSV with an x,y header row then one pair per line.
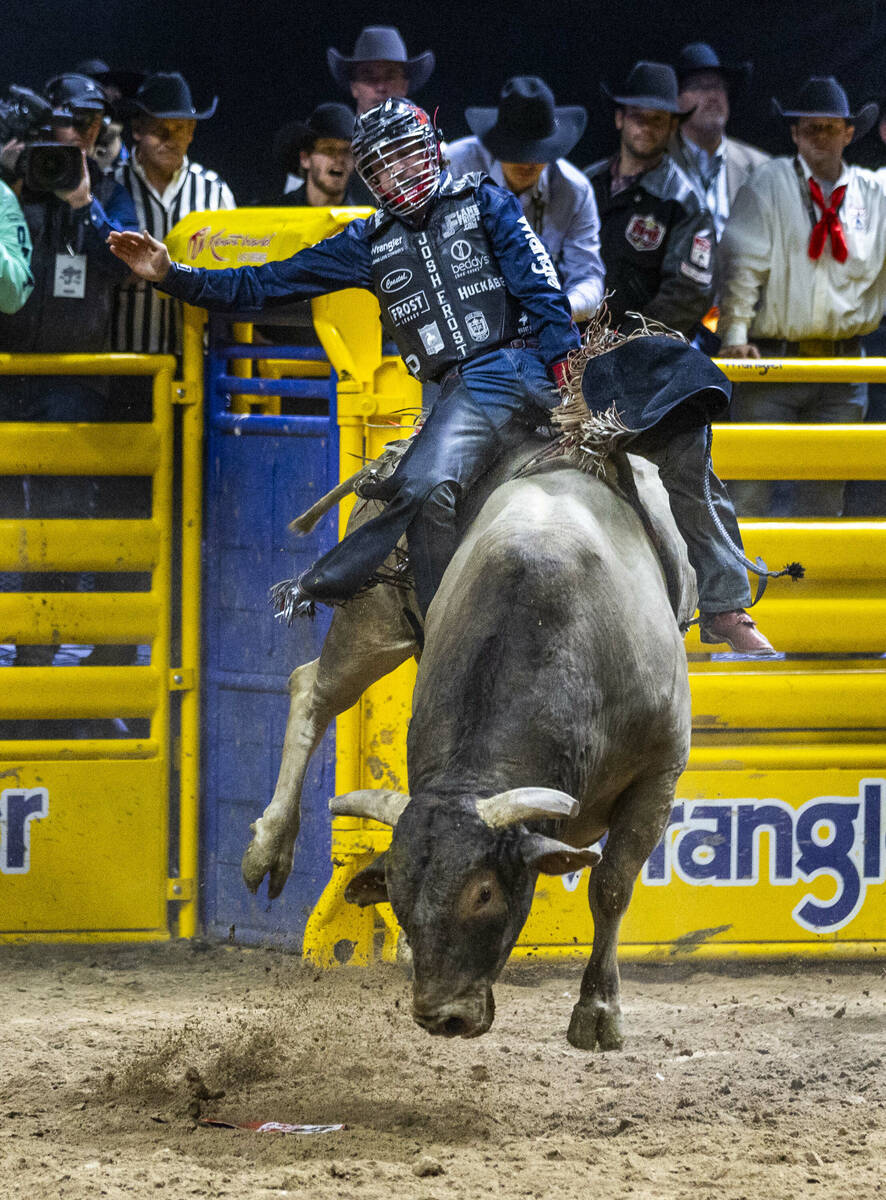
x,y
521,145
379,67
165,185
804,255
657,239
316,155
119,87
716,164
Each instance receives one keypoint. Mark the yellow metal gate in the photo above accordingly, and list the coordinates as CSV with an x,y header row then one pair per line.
x,y
85,822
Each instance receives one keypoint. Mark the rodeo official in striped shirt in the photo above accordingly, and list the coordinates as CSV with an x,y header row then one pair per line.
x,y
165,186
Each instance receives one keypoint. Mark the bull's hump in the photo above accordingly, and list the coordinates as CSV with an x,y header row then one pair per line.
x,y
568,520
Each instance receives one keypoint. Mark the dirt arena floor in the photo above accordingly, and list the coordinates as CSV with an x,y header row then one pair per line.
x,y
762,1085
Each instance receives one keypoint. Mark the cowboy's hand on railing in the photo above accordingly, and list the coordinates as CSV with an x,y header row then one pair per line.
x,y
143,254
745,350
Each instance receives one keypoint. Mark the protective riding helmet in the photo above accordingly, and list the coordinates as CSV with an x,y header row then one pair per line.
x,y
397,153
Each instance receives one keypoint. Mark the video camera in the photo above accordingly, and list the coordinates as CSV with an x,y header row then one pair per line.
x,y
44,165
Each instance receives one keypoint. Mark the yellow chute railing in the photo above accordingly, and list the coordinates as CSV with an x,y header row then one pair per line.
x,y
95,864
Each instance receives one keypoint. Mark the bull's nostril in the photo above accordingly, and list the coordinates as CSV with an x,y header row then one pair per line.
x,y
453,1026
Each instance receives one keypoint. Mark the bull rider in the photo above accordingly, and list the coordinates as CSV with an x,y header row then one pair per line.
x,y
472,300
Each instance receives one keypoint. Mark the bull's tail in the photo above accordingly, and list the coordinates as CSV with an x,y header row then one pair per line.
x,y
306,522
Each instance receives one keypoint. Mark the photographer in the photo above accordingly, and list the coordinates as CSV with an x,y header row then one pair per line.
x,y
16,281
69,211
70,208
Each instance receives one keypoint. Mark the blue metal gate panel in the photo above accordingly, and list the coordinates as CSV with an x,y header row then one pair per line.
x,y
261,472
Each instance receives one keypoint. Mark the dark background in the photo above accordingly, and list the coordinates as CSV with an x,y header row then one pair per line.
x,y
266,59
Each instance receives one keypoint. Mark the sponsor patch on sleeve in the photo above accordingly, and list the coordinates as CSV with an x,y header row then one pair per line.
x,y
700,251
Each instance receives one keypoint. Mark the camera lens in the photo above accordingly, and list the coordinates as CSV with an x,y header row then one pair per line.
x,y
50,167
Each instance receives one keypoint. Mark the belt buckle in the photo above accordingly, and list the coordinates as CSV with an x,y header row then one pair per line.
x,y
815,348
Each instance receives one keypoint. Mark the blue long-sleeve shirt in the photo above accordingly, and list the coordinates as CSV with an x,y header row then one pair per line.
x,y
344,261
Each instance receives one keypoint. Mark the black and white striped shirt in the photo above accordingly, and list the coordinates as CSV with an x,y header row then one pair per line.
x,y
145,321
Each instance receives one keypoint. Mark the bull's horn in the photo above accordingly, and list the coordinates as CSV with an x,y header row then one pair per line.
x,y
377,804
525,804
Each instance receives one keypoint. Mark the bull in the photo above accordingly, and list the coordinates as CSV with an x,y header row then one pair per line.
x,y
551,708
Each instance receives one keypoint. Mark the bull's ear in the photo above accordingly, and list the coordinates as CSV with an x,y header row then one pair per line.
x,y
368,886
525,804
377,804
551,857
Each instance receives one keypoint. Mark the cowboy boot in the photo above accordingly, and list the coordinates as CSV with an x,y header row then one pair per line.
x,y
738,630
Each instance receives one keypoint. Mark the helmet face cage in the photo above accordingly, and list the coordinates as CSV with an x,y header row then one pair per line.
x,y
397,155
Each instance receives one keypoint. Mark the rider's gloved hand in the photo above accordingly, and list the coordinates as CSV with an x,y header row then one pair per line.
x,y
560,373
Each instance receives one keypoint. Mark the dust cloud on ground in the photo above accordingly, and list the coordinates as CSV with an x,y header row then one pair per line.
x,y
769,1083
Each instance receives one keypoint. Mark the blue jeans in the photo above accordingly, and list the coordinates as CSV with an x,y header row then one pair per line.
x,y
485,406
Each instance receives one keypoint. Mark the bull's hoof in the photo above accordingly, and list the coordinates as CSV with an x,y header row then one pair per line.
x,y
267,855
595,1026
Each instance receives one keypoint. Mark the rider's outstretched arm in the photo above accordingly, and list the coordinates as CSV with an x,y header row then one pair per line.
x,y
342,261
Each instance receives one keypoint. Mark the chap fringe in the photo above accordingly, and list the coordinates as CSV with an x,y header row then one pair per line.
x,y
585,438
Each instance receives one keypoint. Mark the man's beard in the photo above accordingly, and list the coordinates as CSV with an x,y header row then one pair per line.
x,y
334,191
647,155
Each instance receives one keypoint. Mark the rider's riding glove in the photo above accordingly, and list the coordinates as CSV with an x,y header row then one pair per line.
x,y
560,373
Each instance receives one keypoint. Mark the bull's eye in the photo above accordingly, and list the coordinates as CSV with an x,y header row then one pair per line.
x,y
481,899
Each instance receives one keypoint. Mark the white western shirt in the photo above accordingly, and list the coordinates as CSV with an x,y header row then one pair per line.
x,y
709,173
772,288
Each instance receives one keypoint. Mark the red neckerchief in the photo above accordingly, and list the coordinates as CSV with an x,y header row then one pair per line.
x,y
828,223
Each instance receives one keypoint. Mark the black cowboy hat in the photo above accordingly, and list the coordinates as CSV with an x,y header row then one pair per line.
x,y
166,95
380,43
326,121
700,56
649,85
822,96
127,82
527,126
